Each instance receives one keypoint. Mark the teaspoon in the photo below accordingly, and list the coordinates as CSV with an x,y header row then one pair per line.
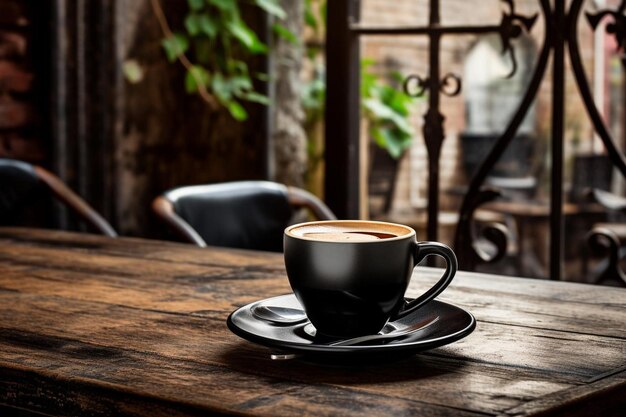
x,y
279,315
394,334
391,335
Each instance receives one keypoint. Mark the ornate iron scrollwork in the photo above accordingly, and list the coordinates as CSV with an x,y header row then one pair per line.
x,y
583,86
603,241
617,27
415,86
466,240
511,26
600,239
560,33
450,85
496,235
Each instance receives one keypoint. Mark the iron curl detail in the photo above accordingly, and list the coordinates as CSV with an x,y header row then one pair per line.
x,y
489,241
415,86
477,194
604,242
450,85
617,27
616,155
511,26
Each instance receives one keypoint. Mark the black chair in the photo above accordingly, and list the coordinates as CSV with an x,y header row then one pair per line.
x,y
243,214
23,185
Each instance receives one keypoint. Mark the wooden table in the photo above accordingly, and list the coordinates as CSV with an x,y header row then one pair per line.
x,y
100,326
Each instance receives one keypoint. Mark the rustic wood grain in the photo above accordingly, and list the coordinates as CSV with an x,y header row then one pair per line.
x,y
602,397
137,327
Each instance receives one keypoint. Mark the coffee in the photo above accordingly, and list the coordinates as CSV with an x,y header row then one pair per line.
x,y
349,232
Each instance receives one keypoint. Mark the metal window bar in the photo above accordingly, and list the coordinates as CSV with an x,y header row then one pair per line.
x,y
342,111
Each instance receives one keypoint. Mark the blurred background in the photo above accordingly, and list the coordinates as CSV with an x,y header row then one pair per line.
x,y
123,100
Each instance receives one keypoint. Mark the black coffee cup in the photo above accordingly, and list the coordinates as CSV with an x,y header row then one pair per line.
x,y
351,276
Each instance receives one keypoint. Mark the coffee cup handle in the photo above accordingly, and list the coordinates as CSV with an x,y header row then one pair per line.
x,y
421,251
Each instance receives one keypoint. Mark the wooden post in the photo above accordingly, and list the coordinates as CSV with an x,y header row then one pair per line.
x,y
341,182
85,90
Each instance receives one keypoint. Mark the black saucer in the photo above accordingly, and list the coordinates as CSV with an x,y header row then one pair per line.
x,y
454,323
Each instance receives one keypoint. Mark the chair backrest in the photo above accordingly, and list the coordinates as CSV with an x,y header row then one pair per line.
x,y
242,214
22,184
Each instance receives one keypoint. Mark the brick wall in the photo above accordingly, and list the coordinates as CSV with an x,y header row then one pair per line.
x,y
20,126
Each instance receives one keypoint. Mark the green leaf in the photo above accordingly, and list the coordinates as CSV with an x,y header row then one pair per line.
x,y
200,23
207,26
309,16
400,102
313,95
312,52
376,133
196,75
222,4
133,72
397,76
239,83
394,146
246,37
378,109
237,111
175,46
285,33
262,76
387,110
310,20
271,7
256,98
192,24
237,66
382,112
323,12
368,79
390,140
195,5
221,87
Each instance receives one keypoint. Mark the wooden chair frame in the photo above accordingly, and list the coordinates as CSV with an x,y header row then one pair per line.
x,y
79,206
74,202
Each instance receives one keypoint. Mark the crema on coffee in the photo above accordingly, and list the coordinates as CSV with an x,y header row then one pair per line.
x,y
349,231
